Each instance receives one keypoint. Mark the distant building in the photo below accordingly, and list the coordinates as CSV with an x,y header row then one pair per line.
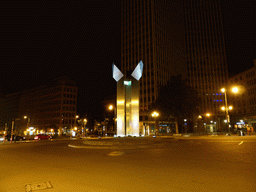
x,y
48,107
244,102
9,108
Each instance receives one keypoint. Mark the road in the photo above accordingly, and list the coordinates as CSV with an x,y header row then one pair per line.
x,y
175,164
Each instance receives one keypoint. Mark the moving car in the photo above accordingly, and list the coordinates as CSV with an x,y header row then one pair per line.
x,y
41,136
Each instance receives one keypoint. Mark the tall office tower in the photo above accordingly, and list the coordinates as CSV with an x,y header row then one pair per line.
x,y
205,51
152,31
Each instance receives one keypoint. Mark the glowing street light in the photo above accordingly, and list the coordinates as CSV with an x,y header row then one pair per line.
x,y
155,114
235,90
110,107
224,108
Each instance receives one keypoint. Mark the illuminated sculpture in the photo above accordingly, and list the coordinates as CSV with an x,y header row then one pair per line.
x,y
127,100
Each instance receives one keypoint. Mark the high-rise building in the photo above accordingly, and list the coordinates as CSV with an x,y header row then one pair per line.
x,y
171,38
152,31
205,52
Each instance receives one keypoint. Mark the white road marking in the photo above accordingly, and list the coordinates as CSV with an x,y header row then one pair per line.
x,y
74,146
240,143
38,186
116,153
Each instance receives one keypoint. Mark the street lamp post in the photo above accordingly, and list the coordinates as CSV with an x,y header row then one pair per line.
x,y
75,128
28,123
185,123
234,90
226,104
71,132
155,114
207,115
85,121
26,117
111,107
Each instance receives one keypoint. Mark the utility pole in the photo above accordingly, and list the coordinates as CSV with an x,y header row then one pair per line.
x,y
12,131
6,129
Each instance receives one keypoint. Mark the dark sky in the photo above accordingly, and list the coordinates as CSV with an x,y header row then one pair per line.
x,y
239,24
42,40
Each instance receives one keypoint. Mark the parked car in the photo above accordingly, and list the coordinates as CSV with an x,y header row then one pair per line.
x,y
41,136
14,138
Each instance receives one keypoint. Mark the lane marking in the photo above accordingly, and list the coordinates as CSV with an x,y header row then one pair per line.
x,y
240,143
116,153
74,146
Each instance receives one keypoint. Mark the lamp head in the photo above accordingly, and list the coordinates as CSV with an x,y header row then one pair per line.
x,y
223,90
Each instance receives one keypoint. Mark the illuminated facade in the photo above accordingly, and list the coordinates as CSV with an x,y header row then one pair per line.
x,y
128,101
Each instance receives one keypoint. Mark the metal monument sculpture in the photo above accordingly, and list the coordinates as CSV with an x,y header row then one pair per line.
x,y
127,101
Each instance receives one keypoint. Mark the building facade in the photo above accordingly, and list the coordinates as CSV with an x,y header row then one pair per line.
x,y
205,53
152,31
48,107
243,113
173,38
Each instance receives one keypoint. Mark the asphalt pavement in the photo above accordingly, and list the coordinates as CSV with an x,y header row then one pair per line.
x,y
189,163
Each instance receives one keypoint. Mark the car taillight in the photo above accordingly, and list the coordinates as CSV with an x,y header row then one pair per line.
x,y
36,137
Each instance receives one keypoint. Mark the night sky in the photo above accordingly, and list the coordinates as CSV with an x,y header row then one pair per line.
x,y
42,40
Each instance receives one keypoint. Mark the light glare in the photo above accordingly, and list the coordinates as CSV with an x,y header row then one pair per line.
x,y
234,89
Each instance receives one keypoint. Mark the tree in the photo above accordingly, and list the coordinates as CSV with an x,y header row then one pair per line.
x,y
177,99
